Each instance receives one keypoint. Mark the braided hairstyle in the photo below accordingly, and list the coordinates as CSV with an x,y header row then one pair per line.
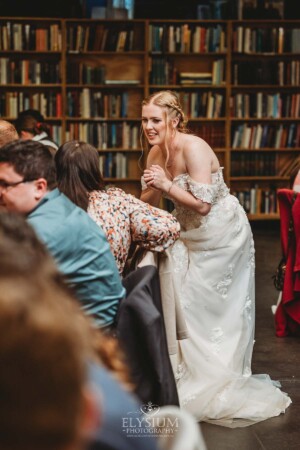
x,y
169,100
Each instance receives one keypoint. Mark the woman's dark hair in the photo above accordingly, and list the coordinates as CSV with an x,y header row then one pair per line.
x,y
78,172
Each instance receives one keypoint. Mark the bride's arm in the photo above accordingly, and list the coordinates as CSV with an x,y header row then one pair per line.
x,y
198,163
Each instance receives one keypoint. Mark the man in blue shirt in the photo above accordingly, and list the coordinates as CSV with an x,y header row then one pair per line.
x,y
79,246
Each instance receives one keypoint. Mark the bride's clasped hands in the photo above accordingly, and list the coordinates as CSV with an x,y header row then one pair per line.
x,y
155,177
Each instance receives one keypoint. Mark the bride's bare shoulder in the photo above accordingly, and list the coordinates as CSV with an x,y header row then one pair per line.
x,y
195,143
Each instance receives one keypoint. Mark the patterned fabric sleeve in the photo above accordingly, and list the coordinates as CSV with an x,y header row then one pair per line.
x,y
152,228
202,191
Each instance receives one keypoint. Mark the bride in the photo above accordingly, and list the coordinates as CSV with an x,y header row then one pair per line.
x,y
213,269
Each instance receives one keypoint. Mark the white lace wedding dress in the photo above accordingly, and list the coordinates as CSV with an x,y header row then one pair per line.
x,y
214,275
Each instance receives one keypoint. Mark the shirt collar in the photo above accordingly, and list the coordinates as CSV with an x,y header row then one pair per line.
x,y
49,196
40,136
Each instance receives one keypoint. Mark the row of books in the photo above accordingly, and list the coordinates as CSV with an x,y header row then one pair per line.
x,y
164,71
105,135
213,133
266,40
187,38
29,71
257,200
114,165
253,164
202,104
264,71
25,36
56,133
101,37
83,73
215,77
256,136
48,103
89,103
262,105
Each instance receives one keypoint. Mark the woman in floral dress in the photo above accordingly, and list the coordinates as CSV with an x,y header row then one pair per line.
x,y
123,218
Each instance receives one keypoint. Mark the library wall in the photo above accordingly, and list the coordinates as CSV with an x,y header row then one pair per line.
x,y
237,80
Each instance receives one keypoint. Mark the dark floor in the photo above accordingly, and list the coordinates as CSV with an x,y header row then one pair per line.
x,y
279,357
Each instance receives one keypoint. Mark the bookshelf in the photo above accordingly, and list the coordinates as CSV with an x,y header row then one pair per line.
x,y
263,111
105,85
190,57
238,82
31,69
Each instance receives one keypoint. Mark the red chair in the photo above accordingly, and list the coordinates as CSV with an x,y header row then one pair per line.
x,y
287,315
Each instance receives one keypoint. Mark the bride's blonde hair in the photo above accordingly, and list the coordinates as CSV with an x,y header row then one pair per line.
x,y
169,101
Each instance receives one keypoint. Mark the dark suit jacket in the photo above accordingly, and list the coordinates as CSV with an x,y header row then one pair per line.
x,y
141,331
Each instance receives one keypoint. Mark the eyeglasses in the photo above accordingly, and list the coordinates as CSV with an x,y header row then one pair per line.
x,y
5,186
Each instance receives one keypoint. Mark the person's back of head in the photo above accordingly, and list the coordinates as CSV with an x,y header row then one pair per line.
x,y
78,172
43,368
35,113
29,123
30,159
8,132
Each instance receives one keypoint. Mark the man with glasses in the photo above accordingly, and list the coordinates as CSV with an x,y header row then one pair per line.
x,y
79,246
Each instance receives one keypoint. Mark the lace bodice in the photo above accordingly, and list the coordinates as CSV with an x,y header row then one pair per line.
x,y
216,193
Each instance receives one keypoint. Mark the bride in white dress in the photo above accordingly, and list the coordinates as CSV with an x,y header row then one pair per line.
x,y
213,271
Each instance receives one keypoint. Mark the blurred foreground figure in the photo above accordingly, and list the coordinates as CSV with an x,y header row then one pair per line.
x,y
45,402
30,281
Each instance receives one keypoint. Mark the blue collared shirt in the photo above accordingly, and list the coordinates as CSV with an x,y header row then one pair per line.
x,y
82,253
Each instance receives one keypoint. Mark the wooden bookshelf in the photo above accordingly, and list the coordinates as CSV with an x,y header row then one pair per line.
x,y
238,82
264,111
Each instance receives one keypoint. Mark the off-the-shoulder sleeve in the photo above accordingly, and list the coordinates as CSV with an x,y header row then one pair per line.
x,y
202,191
152,228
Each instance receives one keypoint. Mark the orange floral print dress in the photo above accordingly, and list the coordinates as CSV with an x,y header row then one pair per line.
x,y
126,219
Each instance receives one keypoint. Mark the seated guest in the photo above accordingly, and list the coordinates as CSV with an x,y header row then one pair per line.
x,y
124,218
78,245
8,132
46,403
31,125
28,273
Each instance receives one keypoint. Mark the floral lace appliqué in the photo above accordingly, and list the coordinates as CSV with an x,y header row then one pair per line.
x,y
223,285
251,260
248,308
216,337
181,371
188,399
222,396
205,192
180,257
